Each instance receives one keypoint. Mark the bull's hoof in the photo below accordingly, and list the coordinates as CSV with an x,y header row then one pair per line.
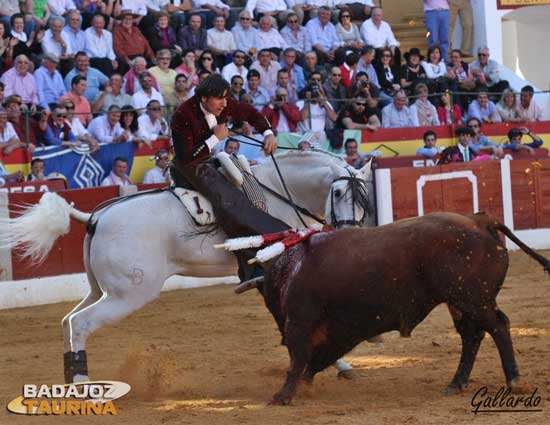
x,y
279,400
349,374
519,386
378,339
454,389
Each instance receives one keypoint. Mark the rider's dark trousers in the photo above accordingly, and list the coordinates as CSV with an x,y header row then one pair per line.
x,y
234,212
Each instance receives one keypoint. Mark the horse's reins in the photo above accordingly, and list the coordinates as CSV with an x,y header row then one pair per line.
x,y
290,200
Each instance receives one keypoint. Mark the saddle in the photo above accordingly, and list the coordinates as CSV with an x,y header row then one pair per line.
x,y
237,171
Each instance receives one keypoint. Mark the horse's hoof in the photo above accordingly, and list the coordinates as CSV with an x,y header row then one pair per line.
x,y
378,339
349,374
519,386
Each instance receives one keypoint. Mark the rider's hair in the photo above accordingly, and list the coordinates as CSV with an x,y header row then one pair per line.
x,y
213,86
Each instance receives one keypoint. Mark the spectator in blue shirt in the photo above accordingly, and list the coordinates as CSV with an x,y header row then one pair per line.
x,y
260,96
430,149
483,109
58,132
49,83
480,143
72,30
322,33
95,79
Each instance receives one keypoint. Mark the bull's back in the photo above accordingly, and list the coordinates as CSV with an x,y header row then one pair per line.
x,y
415,262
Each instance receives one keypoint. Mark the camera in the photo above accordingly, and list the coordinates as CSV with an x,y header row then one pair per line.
x,y
364,84
279,98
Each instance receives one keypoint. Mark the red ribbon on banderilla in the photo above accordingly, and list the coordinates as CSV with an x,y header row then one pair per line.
x,y
278,243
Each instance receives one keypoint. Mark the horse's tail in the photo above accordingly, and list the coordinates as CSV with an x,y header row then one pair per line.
x,y
36,230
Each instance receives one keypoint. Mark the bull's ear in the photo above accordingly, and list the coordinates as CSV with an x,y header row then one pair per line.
x,y
365,170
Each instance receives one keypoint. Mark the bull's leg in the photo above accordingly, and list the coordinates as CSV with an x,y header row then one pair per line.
x,y
297,337
471,336
500,331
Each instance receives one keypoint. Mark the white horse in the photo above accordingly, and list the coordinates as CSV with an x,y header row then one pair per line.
x,y
140,242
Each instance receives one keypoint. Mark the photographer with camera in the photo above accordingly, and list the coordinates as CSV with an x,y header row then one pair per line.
x,y
363,86
315,108
282,115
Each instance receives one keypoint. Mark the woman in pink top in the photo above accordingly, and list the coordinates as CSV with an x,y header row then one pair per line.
x,y
188,68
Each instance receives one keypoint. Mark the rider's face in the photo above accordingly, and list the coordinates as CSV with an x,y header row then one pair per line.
x,y
215,105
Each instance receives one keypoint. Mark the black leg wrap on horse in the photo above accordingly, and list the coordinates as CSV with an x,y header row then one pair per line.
x,y
75,364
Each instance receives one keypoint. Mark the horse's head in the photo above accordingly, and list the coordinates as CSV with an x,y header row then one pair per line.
x,y
347,203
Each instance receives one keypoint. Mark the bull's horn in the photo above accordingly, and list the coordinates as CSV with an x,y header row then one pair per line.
x,y
249,284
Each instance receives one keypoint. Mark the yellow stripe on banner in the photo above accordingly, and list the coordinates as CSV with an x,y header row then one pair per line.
x,y
12,168
141,165
403,147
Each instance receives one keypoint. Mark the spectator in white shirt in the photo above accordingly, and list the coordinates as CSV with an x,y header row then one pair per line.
x,y
244,33
56,42
159,174
528,109
99,47
208,10
220,41
77,128
151,125
60,7
9,141
378,33
236,67
118,176
269,38
397,114
268,70
278,9
315,109
107,128
141,98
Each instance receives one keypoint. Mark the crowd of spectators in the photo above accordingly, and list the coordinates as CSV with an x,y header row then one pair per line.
x,y
110,71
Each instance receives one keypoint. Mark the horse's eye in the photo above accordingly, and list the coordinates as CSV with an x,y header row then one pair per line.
x,y
337,193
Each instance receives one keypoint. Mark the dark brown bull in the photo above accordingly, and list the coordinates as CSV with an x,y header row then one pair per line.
x,y
340,288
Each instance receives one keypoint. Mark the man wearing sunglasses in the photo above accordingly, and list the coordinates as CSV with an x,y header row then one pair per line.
x,y
159,174
236,67
358,116
198,125
486,74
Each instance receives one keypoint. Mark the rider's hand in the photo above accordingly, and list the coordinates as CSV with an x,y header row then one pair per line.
x,y
270,144
221,131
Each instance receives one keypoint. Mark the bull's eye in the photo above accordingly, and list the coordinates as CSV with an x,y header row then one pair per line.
x,y
337,193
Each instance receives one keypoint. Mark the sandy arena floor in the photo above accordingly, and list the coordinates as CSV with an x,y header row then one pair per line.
x,y
207,356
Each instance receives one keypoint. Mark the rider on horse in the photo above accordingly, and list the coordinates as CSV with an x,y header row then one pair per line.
x,y
198,125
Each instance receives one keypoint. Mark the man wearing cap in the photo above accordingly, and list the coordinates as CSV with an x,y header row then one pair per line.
x,y
128,40
49,83
462,151
147,93
198,125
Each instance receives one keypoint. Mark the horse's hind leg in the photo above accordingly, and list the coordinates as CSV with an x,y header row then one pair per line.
x,y
471,335
108,309
92,296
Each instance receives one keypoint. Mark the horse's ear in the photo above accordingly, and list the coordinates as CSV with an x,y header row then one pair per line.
x,y
365,170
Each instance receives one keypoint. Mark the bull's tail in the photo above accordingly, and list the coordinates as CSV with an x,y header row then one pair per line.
x,y
492,223
36,230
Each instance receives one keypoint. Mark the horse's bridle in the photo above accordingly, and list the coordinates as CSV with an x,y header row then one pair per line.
x,y
353,180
